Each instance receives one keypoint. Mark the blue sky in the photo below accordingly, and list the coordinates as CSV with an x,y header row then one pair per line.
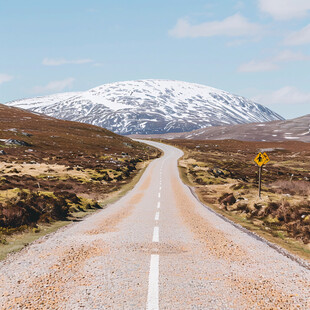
x,y
259,49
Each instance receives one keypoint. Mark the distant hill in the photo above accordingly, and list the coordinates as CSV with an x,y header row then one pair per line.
x,y
295,129
150,107
25,136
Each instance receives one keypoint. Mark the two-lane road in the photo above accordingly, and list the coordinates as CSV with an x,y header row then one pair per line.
x,y
156,248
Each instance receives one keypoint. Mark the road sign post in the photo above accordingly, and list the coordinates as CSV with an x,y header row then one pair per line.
x,y
260,181
260,160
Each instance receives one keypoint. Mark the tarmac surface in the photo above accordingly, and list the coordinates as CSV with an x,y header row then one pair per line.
x,y
156,248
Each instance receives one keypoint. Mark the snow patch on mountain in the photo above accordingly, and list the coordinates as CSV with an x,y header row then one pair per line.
x,y
150,106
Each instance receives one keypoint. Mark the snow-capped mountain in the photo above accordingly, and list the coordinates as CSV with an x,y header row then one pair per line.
x,y
150,106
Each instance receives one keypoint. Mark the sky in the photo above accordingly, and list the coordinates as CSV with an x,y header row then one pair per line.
x,y
259,49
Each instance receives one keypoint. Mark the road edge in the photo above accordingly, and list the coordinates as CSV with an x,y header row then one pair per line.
x,y
303,263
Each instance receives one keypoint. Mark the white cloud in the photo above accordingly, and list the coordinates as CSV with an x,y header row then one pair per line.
x,y
286,95
54,86
233,26
62,61
287,55
272,63
5,78
285,9
299,37
258,66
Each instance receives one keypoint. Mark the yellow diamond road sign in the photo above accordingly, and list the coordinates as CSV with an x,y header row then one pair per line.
x,y
261,159
266,158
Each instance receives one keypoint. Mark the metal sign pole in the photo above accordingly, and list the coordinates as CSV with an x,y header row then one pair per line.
x,y
260,181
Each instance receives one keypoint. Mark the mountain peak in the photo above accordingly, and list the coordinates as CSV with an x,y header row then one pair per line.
x,y
151,106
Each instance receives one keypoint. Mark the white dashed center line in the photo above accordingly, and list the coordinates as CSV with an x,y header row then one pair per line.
x,y
156,234
152,297
157,216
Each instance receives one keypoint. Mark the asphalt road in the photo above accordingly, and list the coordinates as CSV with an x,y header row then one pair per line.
x,y
156,248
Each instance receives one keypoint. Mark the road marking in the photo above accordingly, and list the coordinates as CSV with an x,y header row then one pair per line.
x,y
157,216
158,195
160,188
158,205
156,234
152,296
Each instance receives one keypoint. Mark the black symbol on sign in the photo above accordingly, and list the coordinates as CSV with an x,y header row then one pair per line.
x,y
260,158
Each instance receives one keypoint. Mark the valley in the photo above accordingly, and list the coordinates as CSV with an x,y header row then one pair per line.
x,y
126,203
155,155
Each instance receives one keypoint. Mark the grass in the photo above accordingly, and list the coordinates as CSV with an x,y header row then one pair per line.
x,y
278,237
18,241
234,161
126,187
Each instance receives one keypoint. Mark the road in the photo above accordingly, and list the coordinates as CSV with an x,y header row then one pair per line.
x,y
156,248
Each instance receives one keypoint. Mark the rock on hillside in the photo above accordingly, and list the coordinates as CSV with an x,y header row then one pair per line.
x,y
150,106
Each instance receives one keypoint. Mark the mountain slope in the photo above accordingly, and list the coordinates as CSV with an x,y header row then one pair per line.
x,y
150,106
27,138
297,129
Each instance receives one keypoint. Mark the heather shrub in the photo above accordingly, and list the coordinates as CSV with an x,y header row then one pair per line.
x,y
29,208
227,199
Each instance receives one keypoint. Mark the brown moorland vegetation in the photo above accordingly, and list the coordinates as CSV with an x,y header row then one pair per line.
x,y
50,168
226,177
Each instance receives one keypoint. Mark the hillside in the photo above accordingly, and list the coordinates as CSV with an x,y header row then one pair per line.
x,y
295,129
150,106
50,168
46,136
